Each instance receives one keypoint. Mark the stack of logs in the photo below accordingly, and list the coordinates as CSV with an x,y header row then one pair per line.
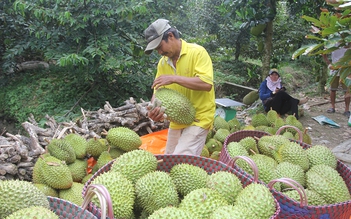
x,y
19,153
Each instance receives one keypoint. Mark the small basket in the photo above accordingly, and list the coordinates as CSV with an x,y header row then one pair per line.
x,y
68,210
209,165
289,208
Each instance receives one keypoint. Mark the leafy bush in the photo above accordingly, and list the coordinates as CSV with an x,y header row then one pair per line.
x,y
56,92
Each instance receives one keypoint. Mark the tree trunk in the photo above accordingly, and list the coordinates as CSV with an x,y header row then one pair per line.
x,y
268,45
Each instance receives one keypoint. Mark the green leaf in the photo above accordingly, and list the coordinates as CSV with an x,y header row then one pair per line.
x,y
315,21
298,52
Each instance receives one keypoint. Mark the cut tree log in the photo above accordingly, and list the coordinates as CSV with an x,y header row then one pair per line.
x,y
18,153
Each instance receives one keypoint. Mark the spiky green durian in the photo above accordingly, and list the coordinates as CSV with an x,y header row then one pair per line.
x,y
320,154
188,177
226,183
62,150
328,183
156,190
37,212
122,193
259,119
16,195
73,194
135,164
202,202
178,107
123,138
78,143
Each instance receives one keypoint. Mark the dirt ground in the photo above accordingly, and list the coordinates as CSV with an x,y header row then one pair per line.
x,y
325,134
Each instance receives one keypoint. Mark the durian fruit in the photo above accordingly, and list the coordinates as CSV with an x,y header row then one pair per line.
x,y
123,138
202,202
95,147
103,159
251,97
156,190
37,212
258,200
135,164
78,143
178,107
56,173
73,194
279,122
248,127
221,134
306,138
121,191
288,135
312,197
327,182
86,178
320,154
226,183
62,150
170,212
258,29
220,123
215,155
116,152
266,167
292,171
205,152
272,116
292,152
230,211
16,195
234,125
78,169
236,149
250,144
291,120
36,176
188,177
47,190
213,145
210,134
259,120
269,143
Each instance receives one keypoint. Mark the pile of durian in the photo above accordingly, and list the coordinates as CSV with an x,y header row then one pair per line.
x,y
279,156
139,189
62,171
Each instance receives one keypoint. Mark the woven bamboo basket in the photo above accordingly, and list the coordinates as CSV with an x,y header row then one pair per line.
x,y
68,210
289,208
168,161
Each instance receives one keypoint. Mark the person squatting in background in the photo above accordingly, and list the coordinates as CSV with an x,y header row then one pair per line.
x,y
274,96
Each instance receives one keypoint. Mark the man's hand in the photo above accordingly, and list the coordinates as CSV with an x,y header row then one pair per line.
x,y
163,80
156,114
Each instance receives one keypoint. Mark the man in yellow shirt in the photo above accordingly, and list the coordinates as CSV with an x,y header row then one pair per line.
x,y
186,68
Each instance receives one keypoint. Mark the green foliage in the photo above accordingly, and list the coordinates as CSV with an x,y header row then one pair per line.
x,y
331,31
54,93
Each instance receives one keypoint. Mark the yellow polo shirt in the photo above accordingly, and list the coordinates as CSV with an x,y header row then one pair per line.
x,y
194,61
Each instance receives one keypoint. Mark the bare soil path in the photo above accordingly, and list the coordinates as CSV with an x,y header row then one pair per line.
x,y
325,134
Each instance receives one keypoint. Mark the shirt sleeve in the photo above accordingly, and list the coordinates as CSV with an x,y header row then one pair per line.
x,y
264,91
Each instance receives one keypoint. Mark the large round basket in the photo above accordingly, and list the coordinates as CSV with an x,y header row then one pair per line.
x,y
289,208
68,210
168,161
